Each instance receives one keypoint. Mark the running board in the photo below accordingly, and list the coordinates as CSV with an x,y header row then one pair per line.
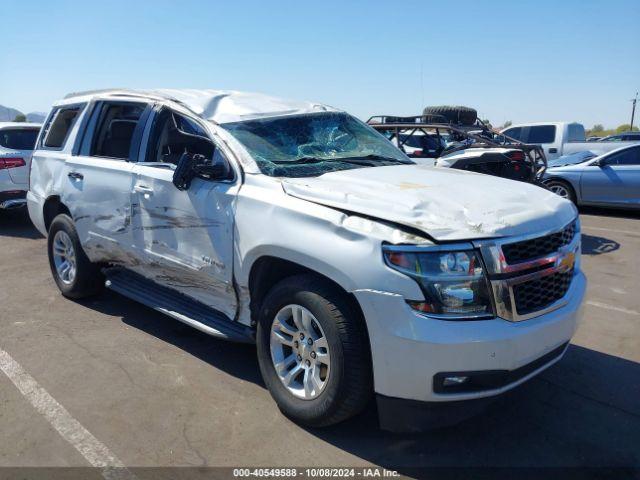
x,y
176,305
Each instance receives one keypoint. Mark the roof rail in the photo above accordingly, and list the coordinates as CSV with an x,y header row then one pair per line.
x,y
131,93
94,92
408,119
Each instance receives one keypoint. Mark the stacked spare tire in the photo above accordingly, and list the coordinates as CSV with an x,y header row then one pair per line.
x,y
457,115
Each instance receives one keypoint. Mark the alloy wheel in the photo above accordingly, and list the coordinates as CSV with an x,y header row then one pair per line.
x,y
300,352
64,257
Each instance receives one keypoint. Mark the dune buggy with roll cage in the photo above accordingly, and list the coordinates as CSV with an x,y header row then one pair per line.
x,y
463,145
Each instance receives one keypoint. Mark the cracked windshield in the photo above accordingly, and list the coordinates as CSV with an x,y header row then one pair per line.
x,y
312,144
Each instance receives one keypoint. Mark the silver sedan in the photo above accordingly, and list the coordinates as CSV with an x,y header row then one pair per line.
x,y
611,180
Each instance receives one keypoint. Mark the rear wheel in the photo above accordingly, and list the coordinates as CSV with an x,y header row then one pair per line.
x,y
72,271
562,189
313,351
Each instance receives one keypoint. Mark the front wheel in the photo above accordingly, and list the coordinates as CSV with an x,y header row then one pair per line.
x,y
72,271
561,189
313,351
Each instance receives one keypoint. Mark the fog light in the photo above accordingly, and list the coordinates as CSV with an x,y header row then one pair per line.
x,y
448,381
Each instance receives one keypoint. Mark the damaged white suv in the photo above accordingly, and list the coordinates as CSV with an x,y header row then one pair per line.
x,y
298,227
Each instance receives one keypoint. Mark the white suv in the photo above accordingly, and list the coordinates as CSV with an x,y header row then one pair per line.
x,y
16,144
298,227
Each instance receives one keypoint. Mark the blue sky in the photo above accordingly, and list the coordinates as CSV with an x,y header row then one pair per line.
x,y
520,61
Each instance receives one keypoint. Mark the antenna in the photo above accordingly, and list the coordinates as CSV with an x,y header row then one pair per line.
x,y
633,109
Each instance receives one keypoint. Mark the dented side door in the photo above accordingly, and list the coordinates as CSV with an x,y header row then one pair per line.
x,y
186,237
98,192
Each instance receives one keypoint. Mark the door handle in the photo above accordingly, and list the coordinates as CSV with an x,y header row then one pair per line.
x,y
75,175
143,189
553,150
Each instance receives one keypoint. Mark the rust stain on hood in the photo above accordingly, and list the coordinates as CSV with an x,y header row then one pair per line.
x,y
445,204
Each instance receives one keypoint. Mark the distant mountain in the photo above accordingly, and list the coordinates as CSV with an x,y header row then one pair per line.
x,y
36,117
8,114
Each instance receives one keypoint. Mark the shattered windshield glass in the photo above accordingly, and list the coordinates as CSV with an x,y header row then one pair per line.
x,y
312,144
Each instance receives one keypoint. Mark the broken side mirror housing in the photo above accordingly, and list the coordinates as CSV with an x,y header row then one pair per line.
x,y
184,172
190,166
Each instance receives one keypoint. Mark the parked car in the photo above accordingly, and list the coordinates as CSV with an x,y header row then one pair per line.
x,y
557,138
622,137
468,145
298,227
422,144
594,139
609,180
571,159
16,144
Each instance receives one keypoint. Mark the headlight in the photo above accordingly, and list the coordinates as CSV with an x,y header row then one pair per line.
x,y
453,282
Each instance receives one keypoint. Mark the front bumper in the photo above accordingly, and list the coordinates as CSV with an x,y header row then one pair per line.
x,y
410,350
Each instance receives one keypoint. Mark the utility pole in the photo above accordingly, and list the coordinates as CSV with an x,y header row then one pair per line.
x,y
633,110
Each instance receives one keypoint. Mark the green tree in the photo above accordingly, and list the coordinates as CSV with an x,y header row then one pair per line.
x,y
507,124
20,118
487,122
625,127
597,128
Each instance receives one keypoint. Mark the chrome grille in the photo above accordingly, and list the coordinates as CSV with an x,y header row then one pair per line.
x,y
538,247
532,275
538,294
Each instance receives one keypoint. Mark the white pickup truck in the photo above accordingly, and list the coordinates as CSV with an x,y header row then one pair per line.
x,y
297,227
559,138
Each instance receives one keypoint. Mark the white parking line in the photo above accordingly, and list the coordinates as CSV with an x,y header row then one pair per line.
x,y
94,451
611,307
628,232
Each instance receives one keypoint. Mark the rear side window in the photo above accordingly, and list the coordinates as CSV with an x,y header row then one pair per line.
x,y
116,125
60,126
19,138
541,134
575,133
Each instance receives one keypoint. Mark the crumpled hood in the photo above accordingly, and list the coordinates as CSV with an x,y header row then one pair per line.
x,y
445,204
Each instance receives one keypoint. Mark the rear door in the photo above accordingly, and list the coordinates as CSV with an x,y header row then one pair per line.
x,y
185,236
616,181
99,178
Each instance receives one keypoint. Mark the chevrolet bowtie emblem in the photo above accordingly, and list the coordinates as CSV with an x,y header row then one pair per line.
x,y
567,261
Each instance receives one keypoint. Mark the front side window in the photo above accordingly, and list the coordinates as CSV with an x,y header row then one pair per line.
x,y
19,138
630,156
116,124
173,135
313,144
542,134
60,126
515,133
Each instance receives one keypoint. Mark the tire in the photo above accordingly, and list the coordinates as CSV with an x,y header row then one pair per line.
x,y
456,115
83,278
346,391
561,188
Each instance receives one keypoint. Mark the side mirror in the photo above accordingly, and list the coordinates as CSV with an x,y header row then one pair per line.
x,y
185,171
191,166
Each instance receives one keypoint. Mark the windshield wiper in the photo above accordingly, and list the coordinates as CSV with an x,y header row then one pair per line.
x,y
299,161
373,159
